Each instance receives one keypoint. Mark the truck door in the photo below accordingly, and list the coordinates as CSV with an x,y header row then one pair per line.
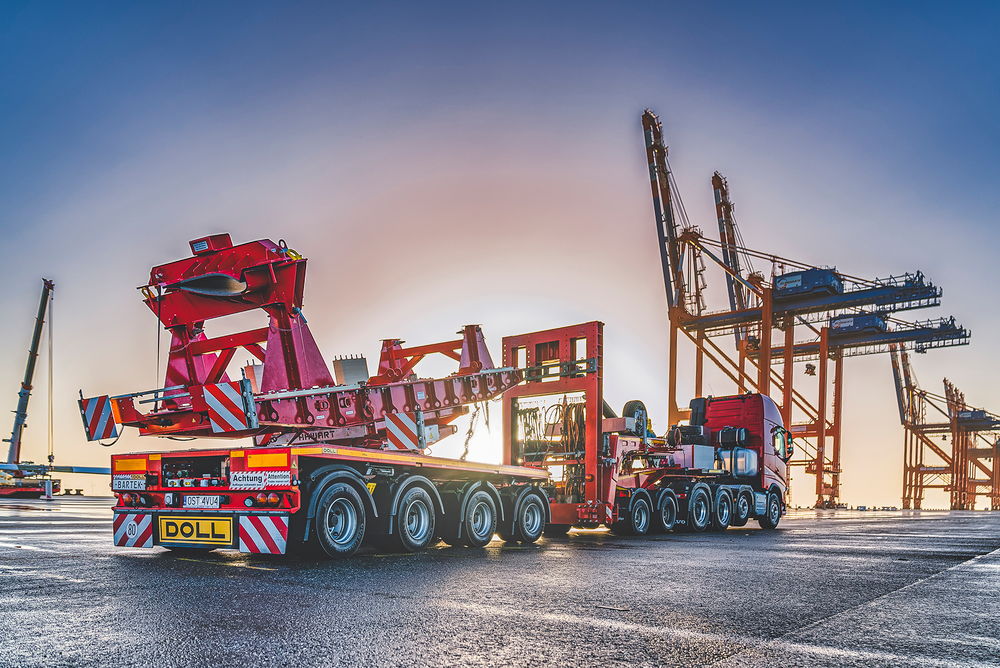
x,y
776,456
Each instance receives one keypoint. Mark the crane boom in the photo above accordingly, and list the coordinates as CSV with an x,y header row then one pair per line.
x,y
21,413
666,225
729,242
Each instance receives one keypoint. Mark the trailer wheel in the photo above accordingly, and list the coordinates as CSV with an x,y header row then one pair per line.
x,y
480,521
528,522
722,514
340,520
666,517
415,518
741,510
699,510
637,520
772,515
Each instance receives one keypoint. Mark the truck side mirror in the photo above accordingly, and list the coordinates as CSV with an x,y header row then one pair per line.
x,y
790,449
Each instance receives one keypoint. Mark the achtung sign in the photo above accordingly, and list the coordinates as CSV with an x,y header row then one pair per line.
x,y
196,530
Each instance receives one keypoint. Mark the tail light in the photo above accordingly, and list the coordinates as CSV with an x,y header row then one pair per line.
x,y
273,499
126,499
261,499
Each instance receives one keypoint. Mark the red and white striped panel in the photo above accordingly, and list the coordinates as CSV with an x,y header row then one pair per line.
x,y
263,534
133,529
227,407
401,431
98,419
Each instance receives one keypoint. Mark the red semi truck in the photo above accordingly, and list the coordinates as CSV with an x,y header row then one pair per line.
x,y
728,465
339,462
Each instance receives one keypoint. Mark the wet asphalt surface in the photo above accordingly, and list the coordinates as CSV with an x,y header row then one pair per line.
x,y
826,589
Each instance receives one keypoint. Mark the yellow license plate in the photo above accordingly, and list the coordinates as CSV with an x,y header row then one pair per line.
x,y
196,530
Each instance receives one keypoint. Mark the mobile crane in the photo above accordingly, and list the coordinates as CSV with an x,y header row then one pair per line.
x,y
25,479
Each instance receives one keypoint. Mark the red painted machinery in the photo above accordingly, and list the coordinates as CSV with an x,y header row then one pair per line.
x,y
334,462
728,465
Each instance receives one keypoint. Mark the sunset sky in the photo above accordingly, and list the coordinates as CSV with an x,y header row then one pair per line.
x,y
451,163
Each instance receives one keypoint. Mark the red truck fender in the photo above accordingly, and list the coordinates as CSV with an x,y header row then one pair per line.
x,y
327,475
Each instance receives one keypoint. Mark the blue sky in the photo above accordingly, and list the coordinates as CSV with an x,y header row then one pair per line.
x,y
398,144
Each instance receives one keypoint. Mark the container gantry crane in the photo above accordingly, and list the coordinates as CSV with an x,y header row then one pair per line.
x,y
844,316
970,467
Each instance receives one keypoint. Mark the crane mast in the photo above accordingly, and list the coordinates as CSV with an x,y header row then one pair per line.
x,y
729,241
21,413
666,225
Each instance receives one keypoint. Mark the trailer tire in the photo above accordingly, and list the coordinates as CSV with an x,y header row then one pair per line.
x,y
340,521
415,520
637,519
772,512
666,515
555,530
699,510
480,520
722,514
527,522
741,509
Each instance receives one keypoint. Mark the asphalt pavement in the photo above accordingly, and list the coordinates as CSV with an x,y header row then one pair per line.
x,y
830,588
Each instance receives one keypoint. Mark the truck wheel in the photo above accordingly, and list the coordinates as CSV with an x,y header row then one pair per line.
x,y
340,520
528,522
415,519
480,521
772,515
556,530
636,521
699,514
722,515
666,517
741,510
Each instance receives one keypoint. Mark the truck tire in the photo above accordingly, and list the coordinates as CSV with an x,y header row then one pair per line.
x,y
772,512
415,519
666,515
722,514
741,510
528,521
699,510
480,520
556,530
340,521
637,519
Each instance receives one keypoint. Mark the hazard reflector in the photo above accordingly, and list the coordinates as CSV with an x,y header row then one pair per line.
x,y
263,534
133,529
231,406
98,418
401,431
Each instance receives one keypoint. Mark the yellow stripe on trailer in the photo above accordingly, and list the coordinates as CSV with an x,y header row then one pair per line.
x,y
130,464
263,460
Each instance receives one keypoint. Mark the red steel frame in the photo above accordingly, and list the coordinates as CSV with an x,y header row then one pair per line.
x,y
540,380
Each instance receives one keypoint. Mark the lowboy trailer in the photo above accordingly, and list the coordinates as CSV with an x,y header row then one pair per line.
x,y
333,462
